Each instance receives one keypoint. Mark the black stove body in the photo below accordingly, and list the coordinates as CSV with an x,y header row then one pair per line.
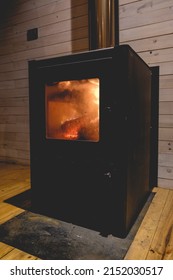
x,y
90,117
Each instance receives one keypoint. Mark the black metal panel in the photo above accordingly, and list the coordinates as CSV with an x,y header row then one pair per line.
x,y
154,127
138,135
100,185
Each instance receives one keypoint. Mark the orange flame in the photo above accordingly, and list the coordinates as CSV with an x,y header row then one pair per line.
x,y
72,111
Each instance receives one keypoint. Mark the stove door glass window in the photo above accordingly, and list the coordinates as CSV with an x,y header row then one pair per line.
x,y
72,110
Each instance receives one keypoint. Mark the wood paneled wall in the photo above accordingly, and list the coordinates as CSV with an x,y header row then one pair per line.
x,y
147,26
62,28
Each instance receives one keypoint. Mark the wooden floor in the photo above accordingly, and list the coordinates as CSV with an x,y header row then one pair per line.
x,y
153,241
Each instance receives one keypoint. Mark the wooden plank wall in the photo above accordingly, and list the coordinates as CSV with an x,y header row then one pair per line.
x,y
147,25
62,28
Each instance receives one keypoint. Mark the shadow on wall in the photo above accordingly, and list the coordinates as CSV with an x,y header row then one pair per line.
x,y
79,25
7,8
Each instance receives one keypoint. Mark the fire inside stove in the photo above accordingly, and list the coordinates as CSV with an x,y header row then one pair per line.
x,y
72,110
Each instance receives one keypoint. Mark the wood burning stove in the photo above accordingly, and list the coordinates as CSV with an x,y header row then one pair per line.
x,y
90,118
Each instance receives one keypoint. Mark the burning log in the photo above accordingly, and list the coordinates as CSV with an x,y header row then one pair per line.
x,y
82,128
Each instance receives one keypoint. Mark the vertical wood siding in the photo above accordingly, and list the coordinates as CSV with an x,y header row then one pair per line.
x,y
147,26
62,29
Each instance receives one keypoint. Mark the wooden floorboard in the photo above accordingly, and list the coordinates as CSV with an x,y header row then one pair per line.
x,y
153,241
8,211
14,179
160,247
10,253
142,246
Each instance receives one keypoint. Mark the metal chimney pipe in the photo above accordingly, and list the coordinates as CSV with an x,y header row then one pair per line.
x,y
103,23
